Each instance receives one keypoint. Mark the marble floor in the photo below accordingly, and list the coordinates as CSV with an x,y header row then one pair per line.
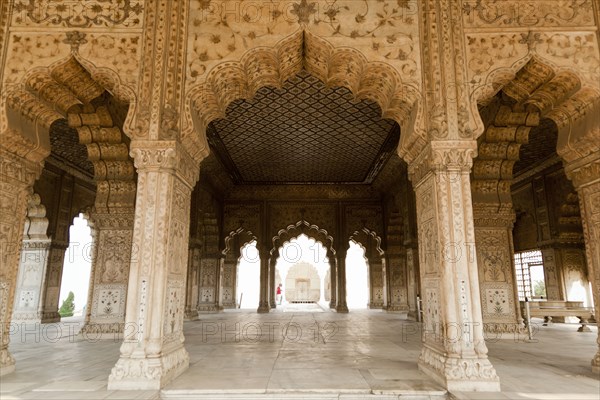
x,y
299,355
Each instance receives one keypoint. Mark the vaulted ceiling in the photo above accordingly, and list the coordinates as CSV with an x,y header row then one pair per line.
x,y
303,132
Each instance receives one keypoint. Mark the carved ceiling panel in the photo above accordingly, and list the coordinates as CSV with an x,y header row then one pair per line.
x,y
303,132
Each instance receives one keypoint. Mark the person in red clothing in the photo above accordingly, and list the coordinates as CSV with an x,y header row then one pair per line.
x,y
279,296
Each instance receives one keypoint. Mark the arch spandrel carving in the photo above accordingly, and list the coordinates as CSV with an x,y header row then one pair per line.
x,y
363,218
231,58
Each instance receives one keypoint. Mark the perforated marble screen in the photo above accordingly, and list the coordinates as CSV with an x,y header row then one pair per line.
x,y
303,132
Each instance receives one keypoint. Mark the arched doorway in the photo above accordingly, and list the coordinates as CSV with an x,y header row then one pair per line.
x,y
248,277
303,267
357,277
74,286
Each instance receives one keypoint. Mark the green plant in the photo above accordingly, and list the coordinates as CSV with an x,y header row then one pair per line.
x,y
68,306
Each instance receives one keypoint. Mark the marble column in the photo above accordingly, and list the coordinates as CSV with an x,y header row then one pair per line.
x,y
376,283
93,254
341,305
209,289
333,279
152,353
52,281
32,267
585,174
263,304
454,352
192,283
17,176
114,231
228,279
497,276
552,276
413,278
398,300
272,286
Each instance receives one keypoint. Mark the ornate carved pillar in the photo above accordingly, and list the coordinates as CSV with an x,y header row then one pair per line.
x,y
397,269
152,352
52,280
32,267
228,278
265,260
192,283
454,352
113,214
210,272
114,231
495,258
17,176
341,305
413,277
333,278
376,283
585,174
93,255
272,287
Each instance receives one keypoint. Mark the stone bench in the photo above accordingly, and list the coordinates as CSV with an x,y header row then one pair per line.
x,y
559,308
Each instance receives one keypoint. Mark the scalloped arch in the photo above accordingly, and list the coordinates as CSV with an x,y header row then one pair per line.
x,y
66,89
302,227
362,237
246,236
272,66
553,96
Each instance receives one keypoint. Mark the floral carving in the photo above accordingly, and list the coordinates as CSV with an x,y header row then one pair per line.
x,y
78,14
502,13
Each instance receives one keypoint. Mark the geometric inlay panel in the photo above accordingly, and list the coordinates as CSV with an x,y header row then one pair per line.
x,y
303,132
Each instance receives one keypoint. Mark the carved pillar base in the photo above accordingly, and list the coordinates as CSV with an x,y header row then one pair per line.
x,y
459,374
139,372
7,362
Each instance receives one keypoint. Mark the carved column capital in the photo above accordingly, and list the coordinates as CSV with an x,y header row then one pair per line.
x,y
165,155
449,156
585,171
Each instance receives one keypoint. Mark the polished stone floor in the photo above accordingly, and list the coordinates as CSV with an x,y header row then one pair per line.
x,y
301,355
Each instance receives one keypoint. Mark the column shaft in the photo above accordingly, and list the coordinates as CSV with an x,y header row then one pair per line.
x,y
16,180
152,353
585,174
454,352
341,305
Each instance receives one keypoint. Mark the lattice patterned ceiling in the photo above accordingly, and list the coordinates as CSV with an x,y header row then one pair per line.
x,y
65,146
540,147
303,133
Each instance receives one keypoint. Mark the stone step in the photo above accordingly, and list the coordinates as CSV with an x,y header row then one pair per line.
x,y
316,394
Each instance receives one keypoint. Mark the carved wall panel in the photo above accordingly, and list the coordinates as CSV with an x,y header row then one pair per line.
x,y
32,269
497,277
322,215
222,31
245,216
